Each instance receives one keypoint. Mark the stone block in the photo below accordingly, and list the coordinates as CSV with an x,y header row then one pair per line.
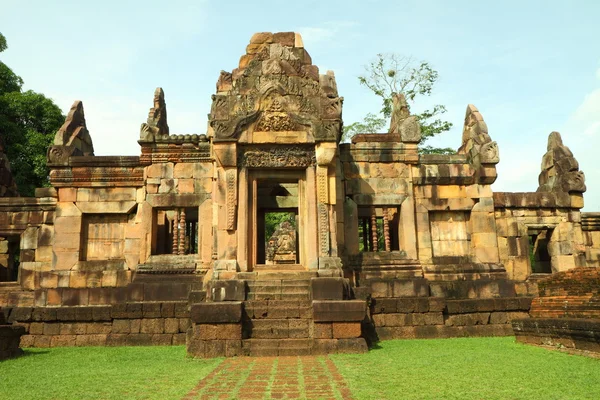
x,y
339,311
322,330
328,288
211,313
152,325
218,331
227,290
346,330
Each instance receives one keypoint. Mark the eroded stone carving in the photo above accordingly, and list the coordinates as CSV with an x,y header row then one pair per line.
x,y
560,170
156,124
72,139
281,247
278,157
476,142
404,128
276,65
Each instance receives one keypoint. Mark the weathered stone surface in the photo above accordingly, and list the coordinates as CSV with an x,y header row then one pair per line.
x,y
560,170
339,311
211,313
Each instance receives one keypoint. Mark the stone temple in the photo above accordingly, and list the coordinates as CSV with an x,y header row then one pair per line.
x,y
267,236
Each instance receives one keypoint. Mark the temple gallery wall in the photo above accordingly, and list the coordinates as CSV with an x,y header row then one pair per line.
x,y
267,236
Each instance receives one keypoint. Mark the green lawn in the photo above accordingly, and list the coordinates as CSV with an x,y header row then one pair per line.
x,y
472,368
102,373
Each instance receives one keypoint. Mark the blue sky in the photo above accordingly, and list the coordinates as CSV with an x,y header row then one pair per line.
x,y
531,67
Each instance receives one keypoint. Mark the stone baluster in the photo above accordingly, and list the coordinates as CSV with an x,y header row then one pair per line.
x,y
374,246
386,229
175,233
182,232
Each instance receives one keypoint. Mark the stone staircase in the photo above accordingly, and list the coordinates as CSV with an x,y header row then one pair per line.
x,y
278,313
275,313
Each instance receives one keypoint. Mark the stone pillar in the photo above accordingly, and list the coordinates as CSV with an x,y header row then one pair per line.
x,y
386,229
181,246
175,249
374,244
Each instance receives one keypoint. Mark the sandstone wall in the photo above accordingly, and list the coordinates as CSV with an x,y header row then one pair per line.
x,y
590,223
522,215
127,324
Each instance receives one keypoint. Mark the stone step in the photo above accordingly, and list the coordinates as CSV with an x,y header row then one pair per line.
x,y
277,296
278,282
9,287
277,328
279,275
262,344
278,309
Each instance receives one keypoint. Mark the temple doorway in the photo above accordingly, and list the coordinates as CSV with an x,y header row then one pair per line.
x,y
277,220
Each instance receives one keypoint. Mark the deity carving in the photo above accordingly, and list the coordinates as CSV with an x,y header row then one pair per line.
x,y
281,246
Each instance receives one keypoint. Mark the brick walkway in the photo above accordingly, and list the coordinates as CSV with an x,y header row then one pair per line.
x,y
273,378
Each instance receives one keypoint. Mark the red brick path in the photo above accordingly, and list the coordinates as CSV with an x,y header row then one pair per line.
x,y
273,378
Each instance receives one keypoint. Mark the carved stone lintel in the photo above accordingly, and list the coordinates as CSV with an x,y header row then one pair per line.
x,y
277,157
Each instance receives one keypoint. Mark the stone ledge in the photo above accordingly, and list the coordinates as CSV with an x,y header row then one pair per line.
x,y
211,313
339,311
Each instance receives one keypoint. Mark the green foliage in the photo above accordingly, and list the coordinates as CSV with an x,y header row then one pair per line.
x,y
393,73
273,219
28,122
3,45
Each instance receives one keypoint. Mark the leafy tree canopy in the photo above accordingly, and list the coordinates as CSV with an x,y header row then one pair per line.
x,y
28,122
393,73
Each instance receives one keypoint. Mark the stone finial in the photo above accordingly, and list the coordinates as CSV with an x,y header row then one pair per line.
x,y
156,124
560,170
476,142
404,128
402,123
72,139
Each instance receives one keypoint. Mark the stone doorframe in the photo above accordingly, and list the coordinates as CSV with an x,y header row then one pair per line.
x,y
248,213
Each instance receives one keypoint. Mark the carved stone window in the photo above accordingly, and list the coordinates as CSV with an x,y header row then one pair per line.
x,y
9,258
539,257
449,234
378,229
103,237
175,231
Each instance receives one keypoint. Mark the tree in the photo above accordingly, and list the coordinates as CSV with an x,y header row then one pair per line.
x,y
28,122
393,73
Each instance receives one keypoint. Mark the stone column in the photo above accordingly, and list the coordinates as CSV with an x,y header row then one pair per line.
x,y
175,248
181,247
374,244
386,229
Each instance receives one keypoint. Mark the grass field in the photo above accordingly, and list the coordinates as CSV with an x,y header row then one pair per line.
x,y
473,368
102,373
470,368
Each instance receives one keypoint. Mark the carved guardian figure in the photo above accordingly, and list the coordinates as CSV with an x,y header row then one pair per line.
x,y
560,170
72,139
156,124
